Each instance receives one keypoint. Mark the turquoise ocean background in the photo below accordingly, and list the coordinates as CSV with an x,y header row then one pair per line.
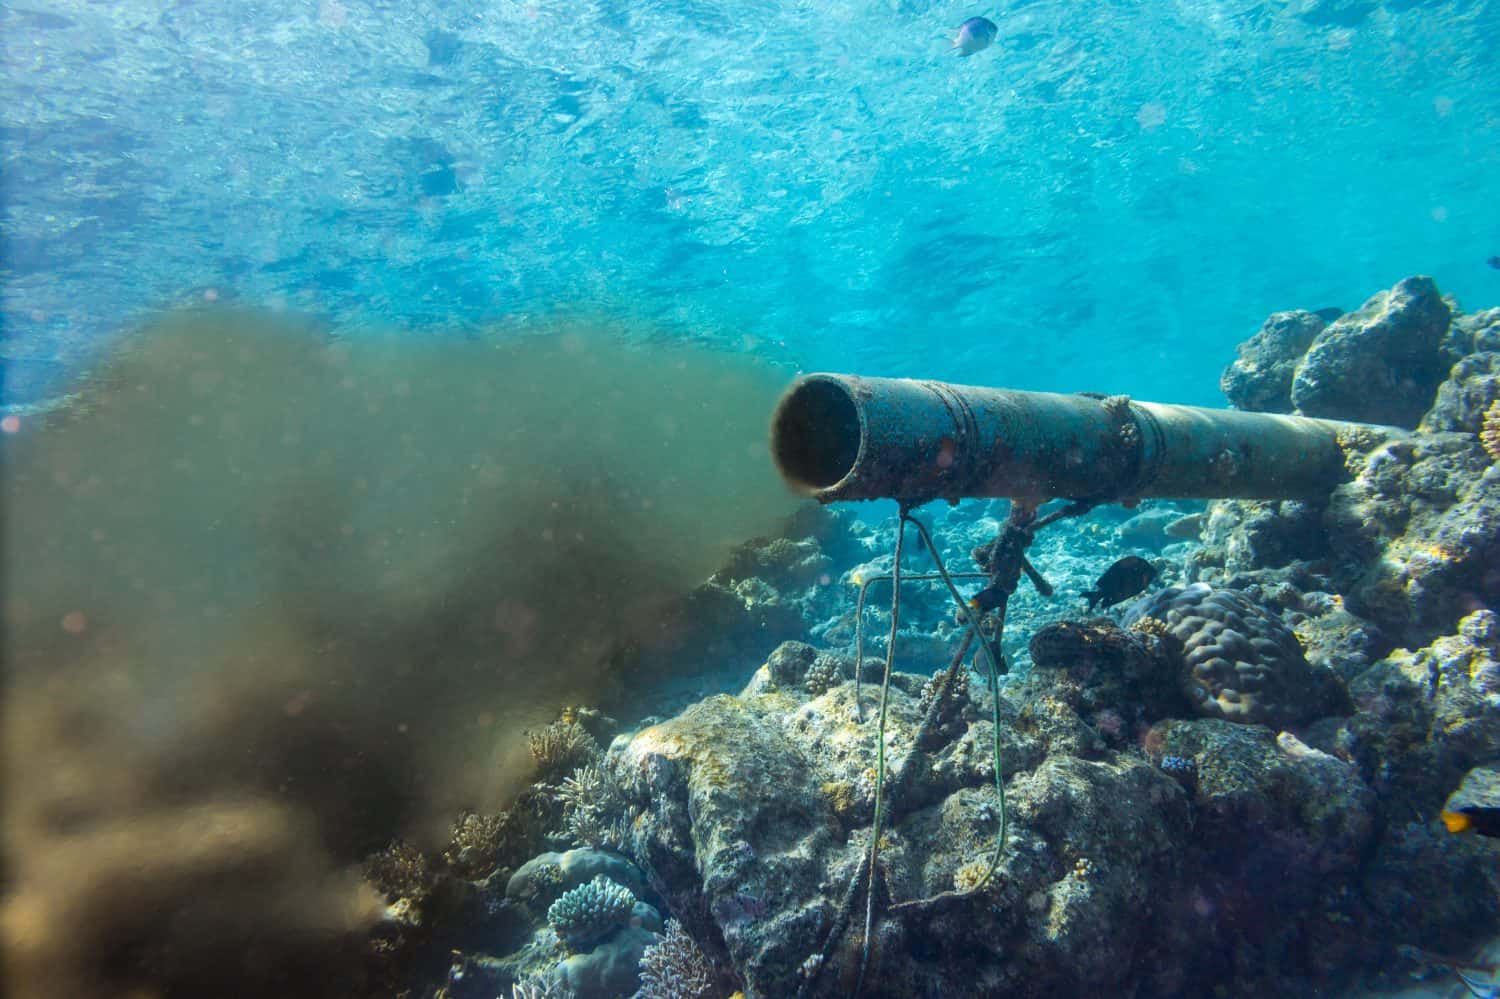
x,y
1109,198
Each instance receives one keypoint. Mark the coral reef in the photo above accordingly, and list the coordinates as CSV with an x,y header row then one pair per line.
x,y
595,812
610,970
746,802
1489,432
586,914
825,673
1280,834
1426,716
1475,332
474,845
1260,378
675,968
1228,787
589,926
400,871
1464,399
1119,681
561,748
1240,662
1480,788
1416,535
542,880
1381,363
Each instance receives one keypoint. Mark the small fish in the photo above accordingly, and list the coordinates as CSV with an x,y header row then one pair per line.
x,y
1494,262
1474,818
1328,314
975,35
1121,581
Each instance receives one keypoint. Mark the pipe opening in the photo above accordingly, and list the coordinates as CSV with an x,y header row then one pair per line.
x,y
815,435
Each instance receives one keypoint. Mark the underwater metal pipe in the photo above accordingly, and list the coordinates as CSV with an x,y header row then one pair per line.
x,y
846,437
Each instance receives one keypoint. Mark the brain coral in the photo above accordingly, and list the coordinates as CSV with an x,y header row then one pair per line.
x,y
591,911
1240,662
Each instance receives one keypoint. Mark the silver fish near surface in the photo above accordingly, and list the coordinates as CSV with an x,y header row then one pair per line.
x,y
975,35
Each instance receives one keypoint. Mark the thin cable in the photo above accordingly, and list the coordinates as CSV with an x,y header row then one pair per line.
x,y
885,688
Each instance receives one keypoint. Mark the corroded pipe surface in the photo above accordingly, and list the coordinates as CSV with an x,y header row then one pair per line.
x,y
844,437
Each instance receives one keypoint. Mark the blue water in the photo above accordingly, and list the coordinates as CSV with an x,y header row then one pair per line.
x,y
1109,198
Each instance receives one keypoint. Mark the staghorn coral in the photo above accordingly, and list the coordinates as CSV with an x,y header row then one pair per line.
x,y
544,987
1489,431
400,871
474,845
595,811
562,747
676,968
1241,663
589,913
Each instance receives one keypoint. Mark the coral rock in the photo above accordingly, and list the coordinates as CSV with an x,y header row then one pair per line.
x,y
1477,331
542,879
1429,715
1462,401
1381,364
1419,530
1260,378
609,970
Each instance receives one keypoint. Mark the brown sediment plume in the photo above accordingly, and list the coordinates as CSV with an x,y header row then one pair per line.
x,y
310,594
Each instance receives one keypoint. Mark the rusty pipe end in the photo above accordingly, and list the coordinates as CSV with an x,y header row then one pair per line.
x,y
817,433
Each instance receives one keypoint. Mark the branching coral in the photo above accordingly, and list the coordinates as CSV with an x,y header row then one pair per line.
x,y
1489,432
590,912
562,747
595,810
539,988
676,968
474,847
400,871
